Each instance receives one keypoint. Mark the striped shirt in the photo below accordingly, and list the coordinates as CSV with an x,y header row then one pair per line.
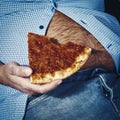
x,y
18,17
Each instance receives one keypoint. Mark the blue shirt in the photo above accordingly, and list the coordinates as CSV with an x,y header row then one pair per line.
x,y
18,17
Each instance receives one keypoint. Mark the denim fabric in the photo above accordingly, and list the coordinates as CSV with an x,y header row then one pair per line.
x,y
78,98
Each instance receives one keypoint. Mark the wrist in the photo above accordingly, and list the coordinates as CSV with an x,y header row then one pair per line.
x,y
1,69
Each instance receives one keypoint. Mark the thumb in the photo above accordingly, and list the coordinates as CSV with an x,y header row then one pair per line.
x,y
21,71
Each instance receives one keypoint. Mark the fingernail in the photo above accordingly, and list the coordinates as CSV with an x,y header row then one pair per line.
x,y
59,82
28,71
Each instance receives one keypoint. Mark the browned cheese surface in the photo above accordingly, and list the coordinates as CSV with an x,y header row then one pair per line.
x,y
48,56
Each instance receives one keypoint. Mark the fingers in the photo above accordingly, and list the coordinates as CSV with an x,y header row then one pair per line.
x,y
46,87
24,85
21,71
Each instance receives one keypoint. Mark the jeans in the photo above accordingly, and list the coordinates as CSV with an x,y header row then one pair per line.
x,y
91,94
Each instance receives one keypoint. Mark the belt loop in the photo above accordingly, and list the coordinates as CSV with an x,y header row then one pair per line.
x,y
54,4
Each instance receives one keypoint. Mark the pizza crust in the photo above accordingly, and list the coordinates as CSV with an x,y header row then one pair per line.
x,y
62,74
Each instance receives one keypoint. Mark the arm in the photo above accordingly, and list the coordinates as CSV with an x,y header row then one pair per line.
x,y
16,76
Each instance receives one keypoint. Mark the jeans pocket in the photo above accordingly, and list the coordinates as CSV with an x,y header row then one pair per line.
x,y
109,92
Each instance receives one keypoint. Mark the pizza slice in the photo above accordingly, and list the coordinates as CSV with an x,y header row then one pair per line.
x,y
51,60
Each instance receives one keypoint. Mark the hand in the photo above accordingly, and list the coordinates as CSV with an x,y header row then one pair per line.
x,y
16,76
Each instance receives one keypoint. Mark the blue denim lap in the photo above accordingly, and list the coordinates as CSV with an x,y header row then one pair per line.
x,y
81,97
